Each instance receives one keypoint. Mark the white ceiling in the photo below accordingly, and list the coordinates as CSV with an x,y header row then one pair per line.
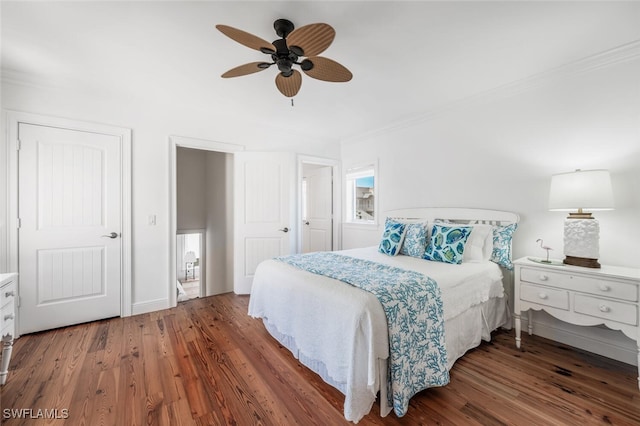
x,y
408,58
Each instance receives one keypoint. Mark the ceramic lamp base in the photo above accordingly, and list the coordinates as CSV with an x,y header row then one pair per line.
x,y
582,242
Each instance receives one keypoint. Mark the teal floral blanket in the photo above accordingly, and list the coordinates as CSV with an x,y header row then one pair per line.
x,y
413,306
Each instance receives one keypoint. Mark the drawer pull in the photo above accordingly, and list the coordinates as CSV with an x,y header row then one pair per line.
x,y
604,308
8,317
604,287
543,277
10,293
543,296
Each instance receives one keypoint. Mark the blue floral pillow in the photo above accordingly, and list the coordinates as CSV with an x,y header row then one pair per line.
x,y
502,236
415,240
392,237
447,243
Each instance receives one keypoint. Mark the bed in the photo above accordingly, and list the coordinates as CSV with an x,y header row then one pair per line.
x,y
383,321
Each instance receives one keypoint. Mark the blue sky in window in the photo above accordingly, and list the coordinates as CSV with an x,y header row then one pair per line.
x,y
365,182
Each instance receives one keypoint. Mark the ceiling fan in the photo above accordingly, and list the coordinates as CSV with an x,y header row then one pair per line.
x,y
294,47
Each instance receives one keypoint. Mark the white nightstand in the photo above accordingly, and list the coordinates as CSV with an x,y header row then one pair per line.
x,y
580,296
8,297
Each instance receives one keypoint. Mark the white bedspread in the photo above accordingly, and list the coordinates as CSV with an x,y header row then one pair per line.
x,y
311,310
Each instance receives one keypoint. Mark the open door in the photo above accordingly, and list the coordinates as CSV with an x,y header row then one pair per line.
x,y
317,220
264,186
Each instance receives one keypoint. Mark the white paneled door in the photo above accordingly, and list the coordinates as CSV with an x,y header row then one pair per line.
x,y
317,232
264,184
70,223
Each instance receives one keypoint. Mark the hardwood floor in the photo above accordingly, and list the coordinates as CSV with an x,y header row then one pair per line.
x,y
207,362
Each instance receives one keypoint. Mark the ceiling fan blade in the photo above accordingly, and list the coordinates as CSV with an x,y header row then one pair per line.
x,y
245,38
313,39
246,69
326,69
289,86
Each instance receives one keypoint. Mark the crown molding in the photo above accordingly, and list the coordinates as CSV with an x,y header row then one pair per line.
x,y
620,54
17,78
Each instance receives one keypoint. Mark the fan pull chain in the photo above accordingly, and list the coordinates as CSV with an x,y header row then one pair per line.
x,y
292,102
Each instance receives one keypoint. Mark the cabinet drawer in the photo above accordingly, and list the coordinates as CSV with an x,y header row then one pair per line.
x,y
7,317
7,293
607,309
601,286
546,296
613,289
8,332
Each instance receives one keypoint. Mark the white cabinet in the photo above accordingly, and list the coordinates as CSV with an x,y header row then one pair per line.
x,y
8,311
580,296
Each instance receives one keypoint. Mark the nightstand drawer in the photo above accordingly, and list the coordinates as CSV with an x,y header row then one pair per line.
x,y
7,317
8,293
609,288
545,277
7,333
584,284
607,309
545,296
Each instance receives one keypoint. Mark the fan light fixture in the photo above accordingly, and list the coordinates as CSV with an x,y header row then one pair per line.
x,y
294,44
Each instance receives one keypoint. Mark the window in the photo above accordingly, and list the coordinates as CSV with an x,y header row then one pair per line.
x,y
360,195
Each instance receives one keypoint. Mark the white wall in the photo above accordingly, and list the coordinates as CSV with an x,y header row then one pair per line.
x,y
4,179
499,151
152,120
191,204
500,154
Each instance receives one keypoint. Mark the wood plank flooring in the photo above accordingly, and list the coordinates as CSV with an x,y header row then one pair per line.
x,y
207,362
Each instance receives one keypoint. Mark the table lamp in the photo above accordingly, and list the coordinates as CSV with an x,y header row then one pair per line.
x,y
578,192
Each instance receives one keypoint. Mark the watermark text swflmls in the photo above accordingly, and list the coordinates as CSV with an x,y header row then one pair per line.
x,y
37,413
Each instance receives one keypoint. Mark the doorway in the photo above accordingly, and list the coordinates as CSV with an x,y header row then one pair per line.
x,y
202,202
317,208
319,205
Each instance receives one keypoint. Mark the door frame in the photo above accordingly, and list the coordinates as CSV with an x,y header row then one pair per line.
x,y
14,119
194,143
336,196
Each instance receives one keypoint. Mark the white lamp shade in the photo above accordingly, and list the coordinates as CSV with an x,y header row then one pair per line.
x,y
189,257
582,189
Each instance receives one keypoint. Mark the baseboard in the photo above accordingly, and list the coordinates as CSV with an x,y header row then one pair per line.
x,y
599,340
150,306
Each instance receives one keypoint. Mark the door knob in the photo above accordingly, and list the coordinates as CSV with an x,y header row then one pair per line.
x,y
285,229
306,222
111,235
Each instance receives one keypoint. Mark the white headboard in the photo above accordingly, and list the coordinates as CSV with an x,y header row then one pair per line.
x,y
456,214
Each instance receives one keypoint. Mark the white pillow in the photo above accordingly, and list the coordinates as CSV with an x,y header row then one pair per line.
x,y
479,245
487,250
